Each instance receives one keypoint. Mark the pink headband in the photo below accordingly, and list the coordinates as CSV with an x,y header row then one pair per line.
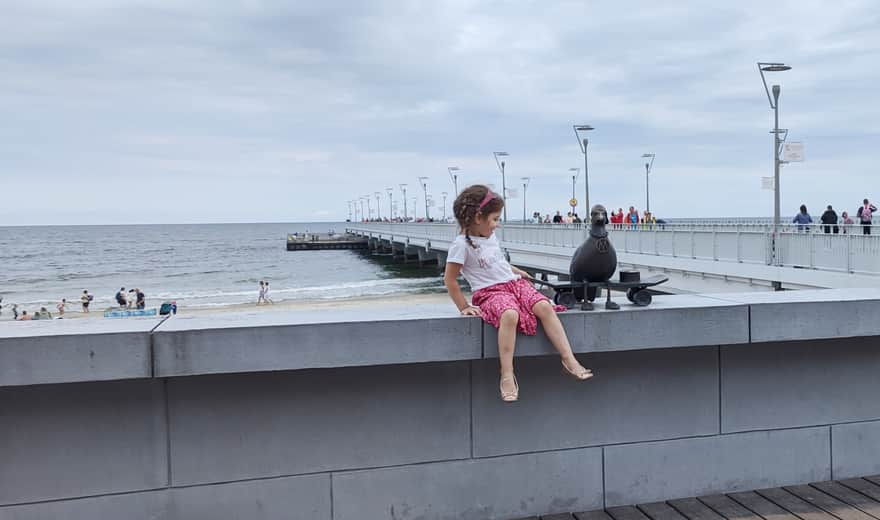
x,y
489,196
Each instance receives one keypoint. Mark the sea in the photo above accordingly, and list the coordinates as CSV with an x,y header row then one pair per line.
x,y
196,265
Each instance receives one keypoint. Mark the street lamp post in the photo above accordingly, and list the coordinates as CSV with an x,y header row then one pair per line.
x,y
583,143
648,166
369,209
774,104
444,205
390,203
403,189
362,207
378,214
503,182
525,185
424,181
454,177
349,210
577,172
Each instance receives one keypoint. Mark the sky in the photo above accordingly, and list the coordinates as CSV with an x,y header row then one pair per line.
x,y
119,112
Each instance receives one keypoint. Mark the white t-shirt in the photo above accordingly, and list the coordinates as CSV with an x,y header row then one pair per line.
x,y
483,266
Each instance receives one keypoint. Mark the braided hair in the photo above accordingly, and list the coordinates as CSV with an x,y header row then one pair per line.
x,y
467,206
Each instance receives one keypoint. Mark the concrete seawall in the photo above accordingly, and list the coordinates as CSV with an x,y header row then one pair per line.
x,y
394,414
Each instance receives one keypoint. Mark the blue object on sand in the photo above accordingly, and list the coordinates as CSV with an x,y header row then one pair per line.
x,y
130,313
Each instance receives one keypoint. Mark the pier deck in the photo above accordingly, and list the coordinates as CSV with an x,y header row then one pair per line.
x,y
850,499
324,241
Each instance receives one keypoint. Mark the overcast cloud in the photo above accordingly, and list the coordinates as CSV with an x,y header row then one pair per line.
x,y
253,111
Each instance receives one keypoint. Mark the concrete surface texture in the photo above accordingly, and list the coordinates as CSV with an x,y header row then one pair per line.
x,y
356,422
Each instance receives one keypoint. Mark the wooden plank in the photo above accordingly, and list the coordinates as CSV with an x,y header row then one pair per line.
x,y
865,487
874,478
851,497
761,506
660,511
793,504
558,516
626,513
729,508
694,509
593,515
828,503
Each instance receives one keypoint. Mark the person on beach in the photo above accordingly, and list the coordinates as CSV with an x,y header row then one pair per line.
x,y
25,316
261,298
62,305
503,295
266,293
85,300
14,311
140,299
120,298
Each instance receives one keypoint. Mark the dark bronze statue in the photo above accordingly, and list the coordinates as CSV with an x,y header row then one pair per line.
x,y
595,260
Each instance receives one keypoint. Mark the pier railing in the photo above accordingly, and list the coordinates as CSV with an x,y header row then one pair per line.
x,y
848,251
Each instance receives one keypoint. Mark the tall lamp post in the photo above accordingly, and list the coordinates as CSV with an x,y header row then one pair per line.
x,y
424,181
349,211
525,186
390,203
503,182
454,177
648,166
403,189
577,172
362,207
777,143
378,214
580,132
369,209
444,205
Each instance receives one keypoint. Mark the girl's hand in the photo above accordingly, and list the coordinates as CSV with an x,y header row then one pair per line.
x,y
470,310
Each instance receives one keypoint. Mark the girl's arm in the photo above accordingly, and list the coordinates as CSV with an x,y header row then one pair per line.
x,y
450,279
517,270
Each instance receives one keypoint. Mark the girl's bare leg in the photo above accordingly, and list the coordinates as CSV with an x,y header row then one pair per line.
x,y
506,343
556,333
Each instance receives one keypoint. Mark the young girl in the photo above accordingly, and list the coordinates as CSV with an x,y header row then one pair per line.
x,y
503,296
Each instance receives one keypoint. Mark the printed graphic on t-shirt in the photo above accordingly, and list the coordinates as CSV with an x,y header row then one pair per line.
x,y
488,262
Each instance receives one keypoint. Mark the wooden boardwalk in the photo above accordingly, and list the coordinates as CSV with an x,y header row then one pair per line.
x,y
851,499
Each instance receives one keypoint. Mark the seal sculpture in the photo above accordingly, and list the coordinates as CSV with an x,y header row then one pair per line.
x,y
595,260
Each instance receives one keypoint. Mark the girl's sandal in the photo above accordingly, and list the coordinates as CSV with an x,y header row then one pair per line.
x,y
509,397
580,375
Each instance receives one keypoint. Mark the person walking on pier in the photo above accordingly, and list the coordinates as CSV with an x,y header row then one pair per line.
x,y
829,221
802,219
503,295
847,222
866,215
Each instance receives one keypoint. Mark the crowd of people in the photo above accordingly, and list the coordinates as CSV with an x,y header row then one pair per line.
x,y
832,223
132,299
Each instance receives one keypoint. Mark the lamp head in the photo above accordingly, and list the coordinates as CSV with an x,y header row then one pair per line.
x,y
775,67
454,168
583,128
646,155
501,154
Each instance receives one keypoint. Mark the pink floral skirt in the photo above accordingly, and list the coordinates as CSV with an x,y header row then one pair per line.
x,y
518,295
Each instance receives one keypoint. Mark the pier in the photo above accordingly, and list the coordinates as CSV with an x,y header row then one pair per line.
x,y
324,241
697,258
394,413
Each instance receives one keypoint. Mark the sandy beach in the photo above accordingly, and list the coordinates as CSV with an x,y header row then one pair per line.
x,y
374,303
